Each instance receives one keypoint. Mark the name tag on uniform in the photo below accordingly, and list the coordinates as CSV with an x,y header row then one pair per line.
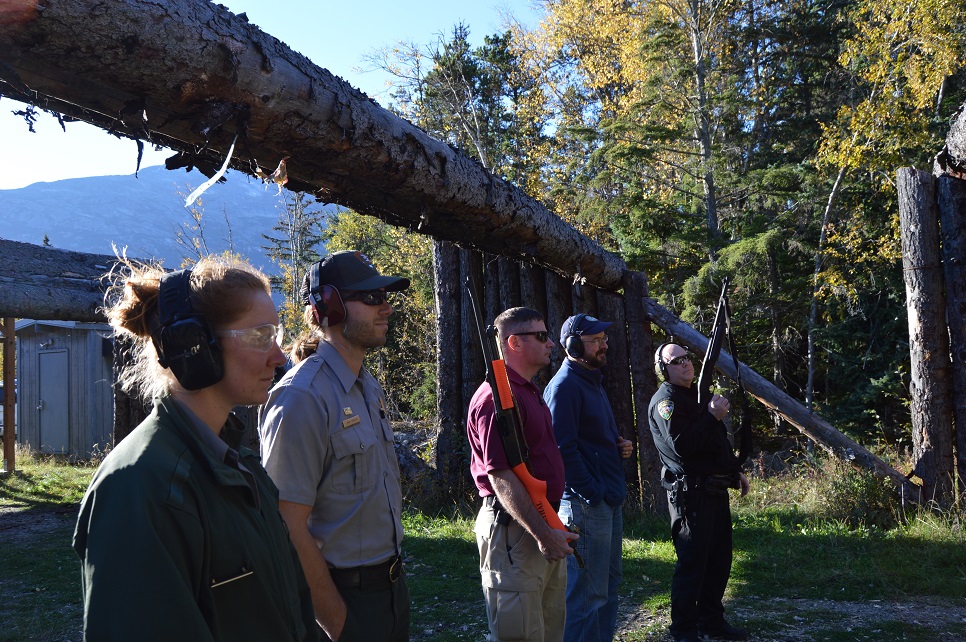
x,y
351,421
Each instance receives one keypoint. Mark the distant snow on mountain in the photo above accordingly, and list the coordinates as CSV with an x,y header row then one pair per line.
x,y
143,214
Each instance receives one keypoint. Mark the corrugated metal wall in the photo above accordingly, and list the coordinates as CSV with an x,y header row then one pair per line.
x,y
88,381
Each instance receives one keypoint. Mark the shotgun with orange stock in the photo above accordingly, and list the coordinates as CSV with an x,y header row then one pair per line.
x,y
508,419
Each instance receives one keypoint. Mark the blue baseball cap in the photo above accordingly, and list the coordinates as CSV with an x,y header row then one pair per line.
x,y
581,324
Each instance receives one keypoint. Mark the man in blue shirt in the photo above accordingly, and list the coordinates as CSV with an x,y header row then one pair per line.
x,y
591,447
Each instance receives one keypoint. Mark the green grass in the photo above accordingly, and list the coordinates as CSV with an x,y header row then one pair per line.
x,y
44,481
803,559
41,596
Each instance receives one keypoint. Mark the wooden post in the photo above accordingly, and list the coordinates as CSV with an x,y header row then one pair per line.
x,y
617,380
473,368
640,345
10,393
951,194
509,285
533,294
559,305
449,398
929,384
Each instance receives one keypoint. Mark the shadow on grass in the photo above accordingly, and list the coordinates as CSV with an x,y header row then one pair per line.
x,y
46,483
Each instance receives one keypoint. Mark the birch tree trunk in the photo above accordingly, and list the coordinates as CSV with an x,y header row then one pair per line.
x,y
929,375
813,313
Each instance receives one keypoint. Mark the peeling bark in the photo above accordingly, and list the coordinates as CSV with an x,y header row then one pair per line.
x,y
190,75
951,194
929,372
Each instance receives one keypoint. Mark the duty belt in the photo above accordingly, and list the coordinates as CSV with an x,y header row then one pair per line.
x,y
684,483
378,576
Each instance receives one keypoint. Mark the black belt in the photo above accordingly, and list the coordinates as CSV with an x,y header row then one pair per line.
x,y
378,576
490,501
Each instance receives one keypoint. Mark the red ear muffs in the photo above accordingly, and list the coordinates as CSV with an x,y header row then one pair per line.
x,y
327,304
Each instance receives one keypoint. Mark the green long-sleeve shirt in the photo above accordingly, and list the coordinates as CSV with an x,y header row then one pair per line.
x,y
175,544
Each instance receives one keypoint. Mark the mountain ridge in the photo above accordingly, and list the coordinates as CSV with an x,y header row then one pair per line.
x,y
141,214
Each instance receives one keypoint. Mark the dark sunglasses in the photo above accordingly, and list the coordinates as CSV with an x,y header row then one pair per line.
x,y
677,361
542,335
368,297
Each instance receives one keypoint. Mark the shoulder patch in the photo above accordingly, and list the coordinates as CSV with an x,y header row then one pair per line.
x,y
664,408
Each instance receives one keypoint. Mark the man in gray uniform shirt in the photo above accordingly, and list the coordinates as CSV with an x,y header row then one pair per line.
x,y
327,444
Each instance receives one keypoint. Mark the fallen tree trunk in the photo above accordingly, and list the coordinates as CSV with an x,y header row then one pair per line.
x,y
46,283
812,425
192,76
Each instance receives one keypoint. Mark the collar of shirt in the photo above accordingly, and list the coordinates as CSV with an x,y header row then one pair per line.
x,y
517,378
219,450
339,367
205,435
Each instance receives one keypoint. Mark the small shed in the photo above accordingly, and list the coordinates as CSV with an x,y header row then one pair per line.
x,y
65,402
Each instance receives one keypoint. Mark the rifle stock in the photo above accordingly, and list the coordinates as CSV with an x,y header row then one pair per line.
x,y
508,419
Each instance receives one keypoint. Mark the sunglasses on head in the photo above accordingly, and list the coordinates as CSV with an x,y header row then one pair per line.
x,y
542,335
368,297
677,361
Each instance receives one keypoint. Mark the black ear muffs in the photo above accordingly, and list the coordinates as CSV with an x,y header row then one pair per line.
x,y
660,368
184,340
572,344
325,299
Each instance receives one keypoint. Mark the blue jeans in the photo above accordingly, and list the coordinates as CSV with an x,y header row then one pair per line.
x,y
592,590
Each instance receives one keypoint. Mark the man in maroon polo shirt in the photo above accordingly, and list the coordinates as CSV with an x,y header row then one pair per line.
x,y
524,578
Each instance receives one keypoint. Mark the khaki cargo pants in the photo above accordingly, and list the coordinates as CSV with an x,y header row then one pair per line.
x,y
526,596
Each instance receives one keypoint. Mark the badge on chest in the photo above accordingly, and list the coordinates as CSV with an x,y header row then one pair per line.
x,y
352,420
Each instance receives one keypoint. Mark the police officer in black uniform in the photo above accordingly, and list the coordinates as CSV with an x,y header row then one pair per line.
x,y
699,467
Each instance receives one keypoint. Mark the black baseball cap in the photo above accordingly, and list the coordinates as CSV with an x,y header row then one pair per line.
x,y
351,271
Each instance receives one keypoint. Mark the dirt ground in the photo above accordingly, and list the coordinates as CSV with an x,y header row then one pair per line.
x,y
786,620
815,620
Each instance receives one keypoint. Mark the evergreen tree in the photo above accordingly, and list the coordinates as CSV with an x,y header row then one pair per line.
x,y
294,246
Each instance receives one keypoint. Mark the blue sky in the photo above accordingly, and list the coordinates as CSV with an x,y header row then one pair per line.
x,y
334,35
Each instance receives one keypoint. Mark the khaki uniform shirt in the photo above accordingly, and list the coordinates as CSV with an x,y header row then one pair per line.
x,y
326,442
